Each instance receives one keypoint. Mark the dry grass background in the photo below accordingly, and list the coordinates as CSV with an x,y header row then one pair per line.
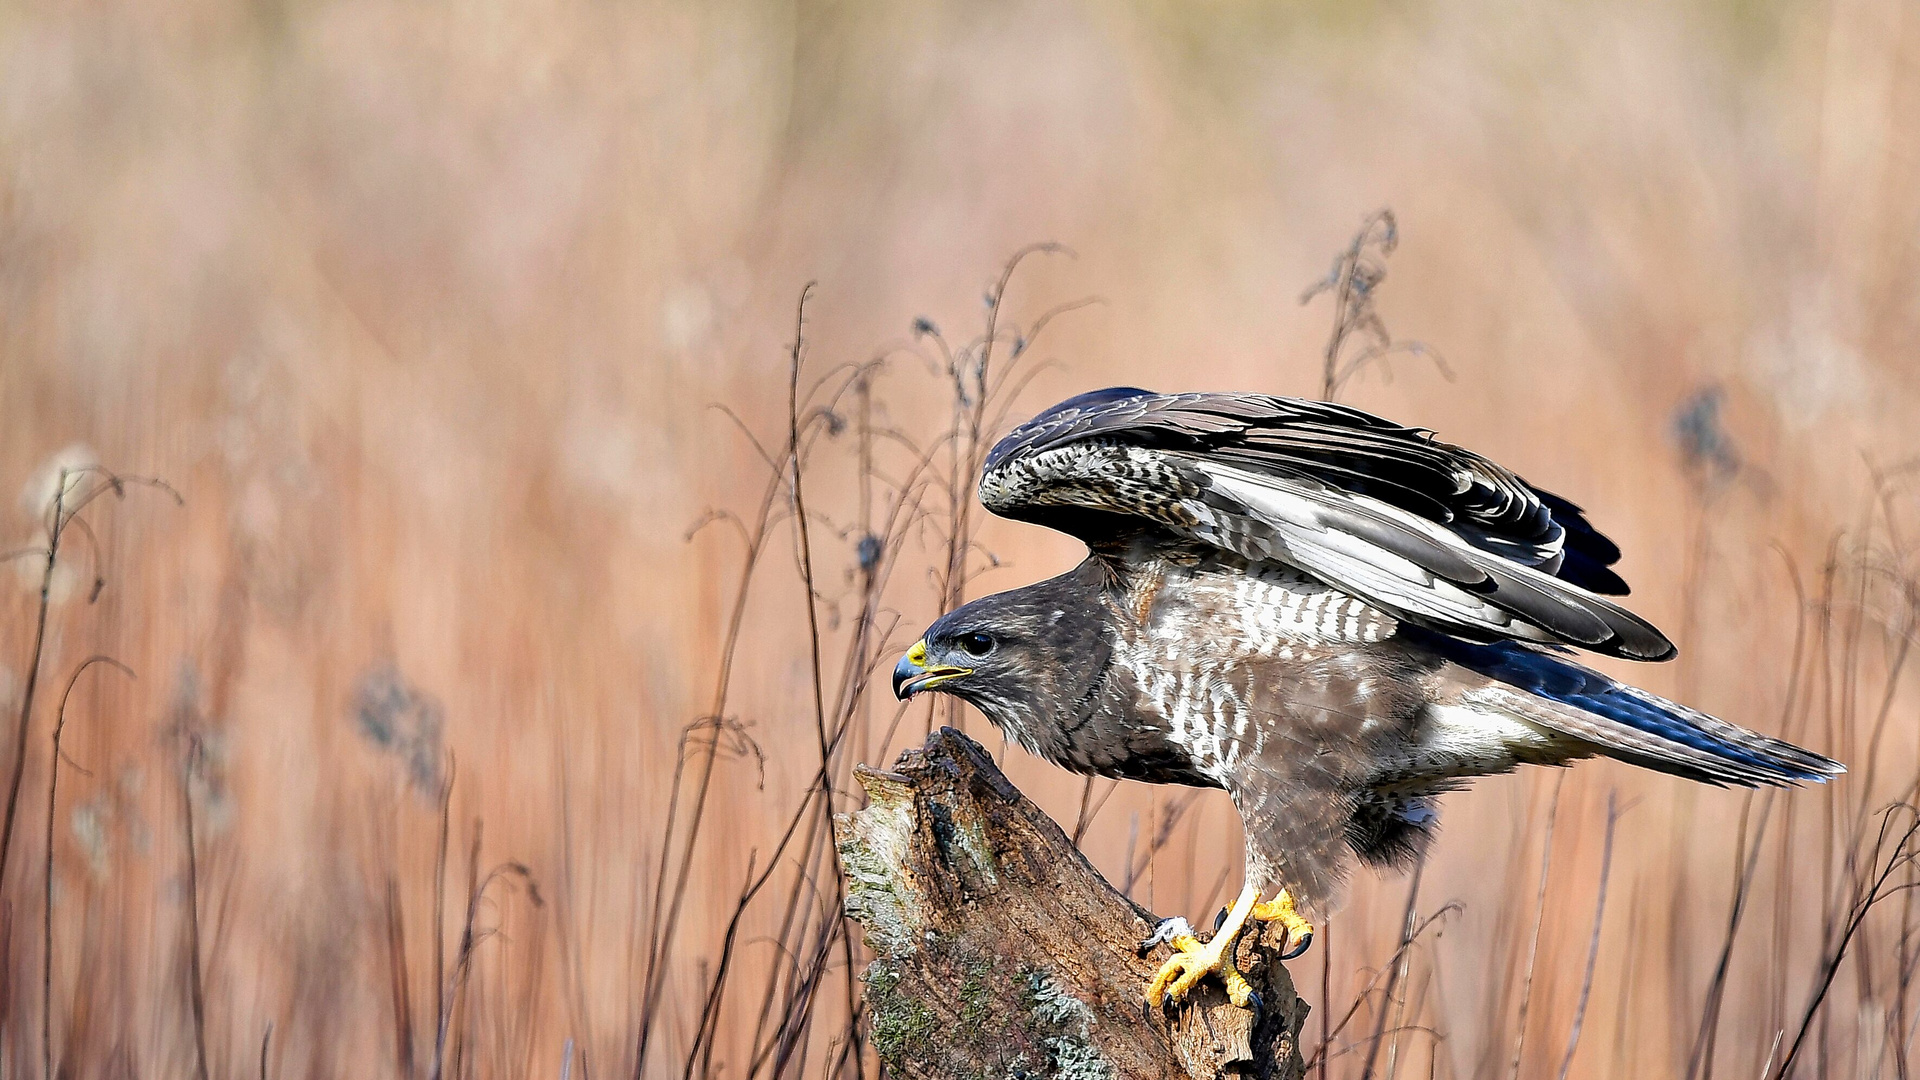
x,y
422,309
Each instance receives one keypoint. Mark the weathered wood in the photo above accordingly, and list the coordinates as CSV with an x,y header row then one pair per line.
x,y
1002,952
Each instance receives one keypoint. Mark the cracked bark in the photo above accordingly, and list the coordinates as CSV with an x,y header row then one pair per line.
x,y
1002,952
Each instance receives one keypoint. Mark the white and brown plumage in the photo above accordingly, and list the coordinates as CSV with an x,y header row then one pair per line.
x,y
1331,616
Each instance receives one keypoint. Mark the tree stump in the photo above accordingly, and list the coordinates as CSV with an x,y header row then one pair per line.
x,y
1003,953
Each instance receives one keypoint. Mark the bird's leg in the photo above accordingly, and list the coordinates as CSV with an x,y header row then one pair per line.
x,y
1281,909
1193,960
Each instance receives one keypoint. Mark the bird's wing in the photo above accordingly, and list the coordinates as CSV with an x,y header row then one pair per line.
x,y
1433,533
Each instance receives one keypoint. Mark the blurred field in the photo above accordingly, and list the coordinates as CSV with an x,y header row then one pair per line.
x,y
422,309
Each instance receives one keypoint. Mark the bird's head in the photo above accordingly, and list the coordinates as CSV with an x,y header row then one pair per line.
x,y
1015,655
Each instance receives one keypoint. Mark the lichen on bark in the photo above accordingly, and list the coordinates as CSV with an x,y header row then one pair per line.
x,y
1001,952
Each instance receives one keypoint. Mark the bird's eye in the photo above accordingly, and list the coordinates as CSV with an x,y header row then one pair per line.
x,y
976,644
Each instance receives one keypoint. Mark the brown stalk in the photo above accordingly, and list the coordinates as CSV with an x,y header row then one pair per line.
x,y
1872,890
397,976
1325,1050
1533,942
1399,970
457,978
804,539
1162,833
702,1049
1357,271
53,789
440,902
665,913
566,915
61,515
57,522
1090,809
195,986
822,787
1593,941
1701,1062
1326,997
971,371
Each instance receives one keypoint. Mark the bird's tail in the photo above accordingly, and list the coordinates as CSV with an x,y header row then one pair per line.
x,y
1628,723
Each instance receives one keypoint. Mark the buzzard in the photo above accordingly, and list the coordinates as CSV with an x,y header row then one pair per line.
x,y
1333,617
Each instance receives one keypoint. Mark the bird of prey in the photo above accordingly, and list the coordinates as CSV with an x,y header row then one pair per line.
x,y
1333,617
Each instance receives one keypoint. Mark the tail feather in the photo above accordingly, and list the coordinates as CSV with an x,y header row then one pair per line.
x,y
1631,724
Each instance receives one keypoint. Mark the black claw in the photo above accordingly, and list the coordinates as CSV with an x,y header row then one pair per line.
x,y
1258,1006
1299,950
1220,920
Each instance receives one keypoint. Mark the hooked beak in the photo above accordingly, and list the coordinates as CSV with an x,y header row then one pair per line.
x,y
912,675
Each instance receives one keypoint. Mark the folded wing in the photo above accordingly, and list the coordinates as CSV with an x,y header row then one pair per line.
x,y
1433,533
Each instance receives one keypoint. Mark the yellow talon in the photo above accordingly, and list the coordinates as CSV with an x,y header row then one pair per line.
x,y
1281,909
1192,960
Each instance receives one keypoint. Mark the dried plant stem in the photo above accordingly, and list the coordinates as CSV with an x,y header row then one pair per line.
x,y
195,985
1399,970
1701,1060
46,911
56,528
397,975
665,912
61,514
1873,888
1325,1051
1593,941
1326,995
440,904
1357,270
804,540
1533,941
462,956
